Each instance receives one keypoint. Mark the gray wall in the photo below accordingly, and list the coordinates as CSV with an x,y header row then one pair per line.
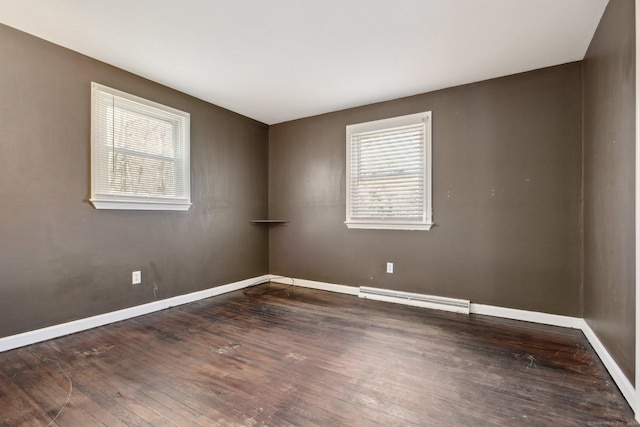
x,y
507,197
60,259
609,190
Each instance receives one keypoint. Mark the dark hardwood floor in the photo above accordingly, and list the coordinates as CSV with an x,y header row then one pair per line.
x,y
296,357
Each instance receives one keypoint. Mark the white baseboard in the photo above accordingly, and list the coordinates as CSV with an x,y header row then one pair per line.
x,y
527,316
39,335
618,376
616,373
331,287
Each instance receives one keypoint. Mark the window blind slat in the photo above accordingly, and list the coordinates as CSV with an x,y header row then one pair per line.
x,y
387,172
140,149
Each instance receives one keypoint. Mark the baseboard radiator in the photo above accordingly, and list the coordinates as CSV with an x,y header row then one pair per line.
x,y
416,300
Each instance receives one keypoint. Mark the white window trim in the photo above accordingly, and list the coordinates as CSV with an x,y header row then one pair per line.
x,y
138,202
411,119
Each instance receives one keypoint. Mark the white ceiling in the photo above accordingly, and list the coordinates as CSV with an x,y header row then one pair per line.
x,y
280,60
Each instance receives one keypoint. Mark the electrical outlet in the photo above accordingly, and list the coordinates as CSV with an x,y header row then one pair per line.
x,y
136,278
389,267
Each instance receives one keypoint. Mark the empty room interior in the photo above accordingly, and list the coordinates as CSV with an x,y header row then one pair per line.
x,y
414,212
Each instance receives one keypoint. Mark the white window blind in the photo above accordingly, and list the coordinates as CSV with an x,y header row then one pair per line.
x,y
389,173
140,153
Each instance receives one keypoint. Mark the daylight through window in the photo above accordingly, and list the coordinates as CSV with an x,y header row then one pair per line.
x,y
389,173
140,153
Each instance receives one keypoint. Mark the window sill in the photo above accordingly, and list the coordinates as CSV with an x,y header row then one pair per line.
x,y
389,226
139,205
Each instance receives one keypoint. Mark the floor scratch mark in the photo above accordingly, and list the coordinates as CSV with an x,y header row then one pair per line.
x,y
532,360
295,356
68,396
227,348
94,351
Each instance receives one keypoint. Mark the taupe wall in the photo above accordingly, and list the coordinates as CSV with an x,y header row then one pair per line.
x,y
508,179
60,259
507,197
609,190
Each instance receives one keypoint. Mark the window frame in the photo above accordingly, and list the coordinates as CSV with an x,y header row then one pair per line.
x,y
180,127
386,124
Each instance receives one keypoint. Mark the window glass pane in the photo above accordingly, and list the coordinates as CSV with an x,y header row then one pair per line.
x,y
387,170
388,180
138,175
134,131
139,153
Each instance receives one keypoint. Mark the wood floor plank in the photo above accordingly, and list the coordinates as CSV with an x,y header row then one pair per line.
x,y
133,386
287,356
49,387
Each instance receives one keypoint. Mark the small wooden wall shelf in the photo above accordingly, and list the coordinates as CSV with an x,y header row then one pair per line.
x,y
269,221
